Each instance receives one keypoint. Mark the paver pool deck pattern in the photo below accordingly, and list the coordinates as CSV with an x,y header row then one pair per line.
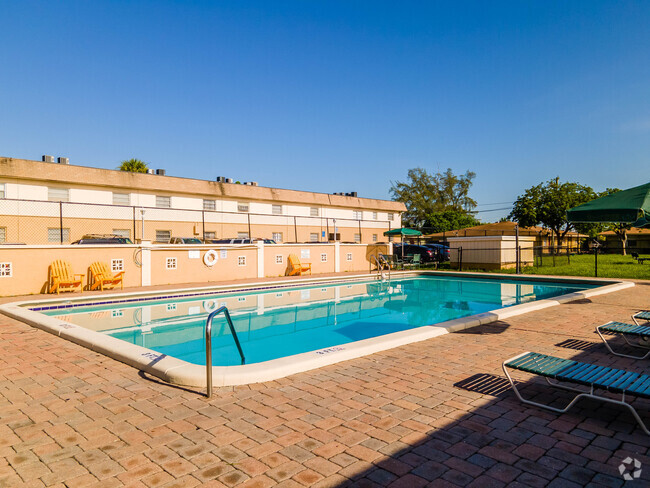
x,y
432,413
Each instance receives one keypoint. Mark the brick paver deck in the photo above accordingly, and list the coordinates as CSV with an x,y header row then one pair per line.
x,y
434,413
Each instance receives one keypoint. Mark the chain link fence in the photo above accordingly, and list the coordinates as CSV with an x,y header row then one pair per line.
x,y
34,222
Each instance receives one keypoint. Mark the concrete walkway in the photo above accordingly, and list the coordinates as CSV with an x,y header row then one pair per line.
x,y
434,413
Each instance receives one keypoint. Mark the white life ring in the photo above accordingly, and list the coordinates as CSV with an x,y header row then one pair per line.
x,y
210,305
210,257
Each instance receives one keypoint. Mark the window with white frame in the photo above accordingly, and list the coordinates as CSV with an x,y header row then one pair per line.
x,y
357,237
6,270
374,216
323,257
277,236
163,202
313,237
348,256
279,259
241,260
3,190
242,235
58,194
122,233
171,307
243,207
374,238
171,263
163,235
117,265
276,209
313,212
209,205
3,234
54,235
390,216
357,214
210,235
121,198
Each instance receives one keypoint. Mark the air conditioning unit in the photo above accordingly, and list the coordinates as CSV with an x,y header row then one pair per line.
x,y
61,160
254,183
160,172
150,172
221,179
248,183
229,180
352,194
48,159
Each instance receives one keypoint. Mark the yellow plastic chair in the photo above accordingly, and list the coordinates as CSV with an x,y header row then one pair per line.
x,y
62,278
296,268
103,277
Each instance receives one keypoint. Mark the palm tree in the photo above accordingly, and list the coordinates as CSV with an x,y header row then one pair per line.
x,y
134,166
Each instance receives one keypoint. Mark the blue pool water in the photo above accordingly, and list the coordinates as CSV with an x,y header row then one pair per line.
x,y
282,322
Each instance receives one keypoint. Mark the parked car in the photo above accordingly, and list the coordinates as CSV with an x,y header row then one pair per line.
x,y
103,239
239,241
443,253
427,255
185,240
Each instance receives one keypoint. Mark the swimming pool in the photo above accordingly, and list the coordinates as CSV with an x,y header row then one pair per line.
x,y
287,328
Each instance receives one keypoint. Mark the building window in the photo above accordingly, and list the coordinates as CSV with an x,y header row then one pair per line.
x,y
122,233
374,216
121,199
242,207
171,263
6,270
163,235
276,209
241,260
58,194
210,235
117,313
2,190
390,216
3,234
163,202
279,259
323,257
171,307
54,235
276,236
313,212
242,235
313,237
374,238
357,214
348,256
209,205
117,265
357,237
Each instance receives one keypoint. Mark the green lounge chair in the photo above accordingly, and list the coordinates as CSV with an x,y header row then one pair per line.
x,y
592,376
639,332
644,315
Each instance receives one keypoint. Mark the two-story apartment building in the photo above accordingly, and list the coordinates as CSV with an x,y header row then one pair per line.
x,y
43,202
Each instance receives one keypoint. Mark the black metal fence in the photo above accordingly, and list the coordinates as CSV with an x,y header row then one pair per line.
x,y
48,222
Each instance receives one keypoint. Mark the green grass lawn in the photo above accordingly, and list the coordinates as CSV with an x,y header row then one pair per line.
x,y
609,266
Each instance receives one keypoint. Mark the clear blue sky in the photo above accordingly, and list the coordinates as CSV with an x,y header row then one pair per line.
x,y
335,96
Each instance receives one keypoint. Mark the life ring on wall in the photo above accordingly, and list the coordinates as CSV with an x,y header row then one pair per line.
x,y
210,305
210,258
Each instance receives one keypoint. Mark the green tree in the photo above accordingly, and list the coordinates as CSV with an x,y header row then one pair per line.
x,y
449,220
427,195
547,203
134,166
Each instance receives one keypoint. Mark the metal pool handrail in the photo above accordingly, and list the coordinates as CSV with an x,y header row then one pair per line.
x,y
208,344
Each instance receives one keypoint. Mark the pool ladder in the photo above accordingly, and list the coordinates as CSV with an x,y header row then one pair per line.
x,y
380,267
208,345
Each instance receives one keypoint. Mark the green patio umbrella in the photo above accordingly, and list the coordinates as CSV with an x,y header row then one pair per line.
x,y
628,206
403,232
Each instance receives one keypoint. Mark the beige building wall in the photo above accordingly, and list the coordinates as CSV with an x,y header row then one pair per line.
x,y
24,269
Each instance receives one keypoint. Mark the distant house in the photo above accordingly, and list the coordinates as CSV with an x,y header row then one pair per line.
x,y
638,240
543,237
